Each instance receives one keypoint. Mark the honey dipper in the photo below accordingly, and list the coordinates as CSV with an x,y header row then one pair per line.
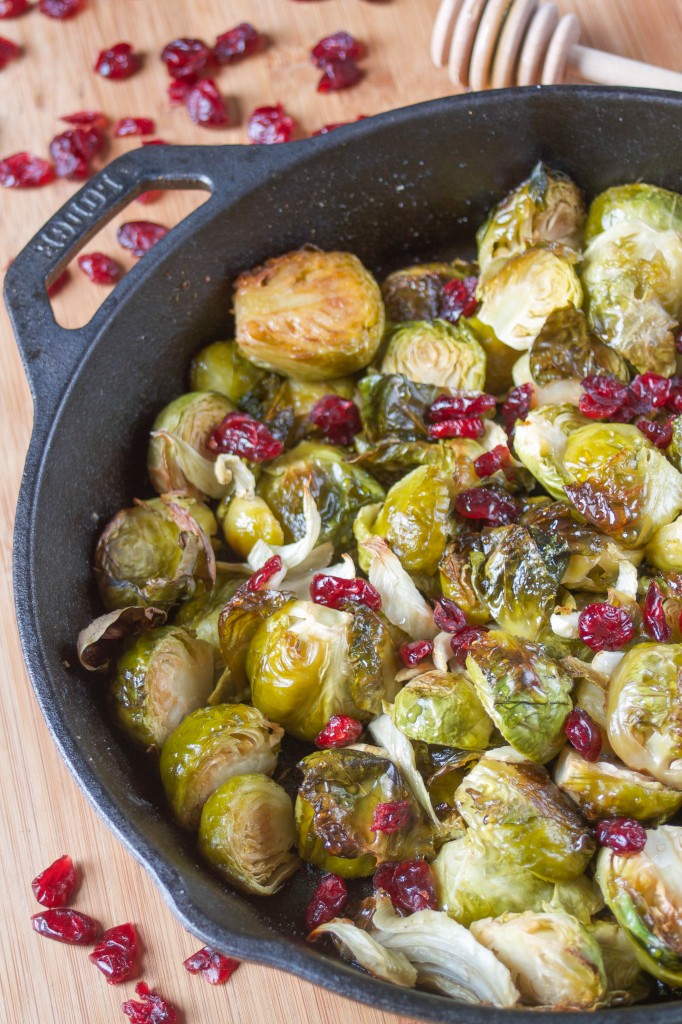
x,y
491,44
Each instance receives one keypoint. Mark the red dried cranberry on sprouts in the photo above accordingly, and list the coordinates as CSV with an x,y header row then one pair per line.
x,y
66,925
239,434
328,900
654,614
337,418
55,886
419,650
623,835
583,733
409,884
604,627
448,616
461,642
651,387
660,434
260,579
340,731
335,592
458,298
516,406
498,457
447,407
214,967
604,396
391,817
493,506
460,426
116,952
269,125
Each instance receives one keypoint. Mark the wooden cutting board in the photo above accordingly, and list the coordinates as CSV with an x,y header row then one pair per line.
x,y
42,812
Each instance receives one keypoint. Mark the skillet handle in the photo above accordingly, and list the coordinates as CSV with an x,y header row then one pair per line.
x,y
51,353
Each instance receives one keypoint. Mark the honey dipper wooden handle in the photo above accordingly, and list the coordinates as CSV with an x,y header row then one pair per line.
x,y
610,69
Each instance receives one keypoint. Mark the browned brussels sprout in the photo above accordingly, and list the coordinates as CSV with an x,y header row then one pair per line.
x,y
415,293
201,613
99,643
607,789
220,367
566,350
393,406
415,519
179,458
442,708
238,624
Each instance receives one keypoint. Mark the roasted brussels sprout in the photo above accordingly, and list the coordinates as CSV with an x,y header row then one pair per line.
x,y
220,367
394,407
565,350
414,519
99,643
338,488
540,442
657,207
553,959
246,833
309,314
605,789
211,746
200,615
415,293
517,301
357,945
161,677
239,622
439,353
456,581
525,692
644,711
546,207
513,804
643,891
248,519
625,979
336,807
179,458
664,550
443,708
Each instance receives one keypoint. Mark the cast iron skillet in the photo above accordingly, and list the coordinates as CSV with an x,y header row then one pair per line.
x,y
406,185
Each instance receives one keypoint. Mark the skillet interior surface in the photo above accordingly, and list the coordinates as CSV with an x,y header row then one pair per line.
x,y
406,185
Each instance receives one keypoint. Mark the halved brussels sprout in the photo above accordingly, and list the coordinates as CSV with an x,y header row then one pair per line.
x,y
644,711
456,581
248,519
546,207
443,708
565,350
309,314
335,809
211,746
607,790
239,622
200,615
415,293
246,833
620,482
664,550
338,488
625,979
361,947
513,804
161,677
658,207
220,367
179,458
525,692
415,519
439,353
393,407
517,301
540,442
554,961
156,553
645,894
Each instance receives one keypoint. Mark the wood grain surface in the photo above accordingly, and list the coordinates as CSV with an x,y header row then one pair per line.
x,y
42,812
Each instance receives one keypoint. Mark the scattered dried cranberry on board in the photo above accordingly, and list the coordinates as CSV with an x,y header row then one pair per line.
x,y
99,267
240,41
86,119
151,1009
13,8
134,126
55,886
185,58
60,9
59,282
339,74
139,236
24,170
116,953
270,125
8,51
205,106
66,925
214,967
339,46
118,62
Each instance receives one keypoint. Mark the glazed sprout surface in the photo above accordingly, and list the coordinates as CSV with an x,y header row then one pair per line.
x,y
402,610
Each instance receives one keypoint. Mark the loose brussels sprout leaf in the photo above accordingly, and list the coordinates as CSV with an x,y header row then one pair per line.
x,y
624,978
246,833
644,710
161,677
565,350
338,489
620,482
517,301
664,550
553,959
300,553
200,615
393,407
546,207
540,442
309,314
98,642
607,790
336,802
401,602
239,622
219,367
514,805
440,353
363,948
208,748
447,956
525,692
644,891
580,898
443,708
247,520
415,519
179,458
155,554
370,652
415,293
658,207
453,458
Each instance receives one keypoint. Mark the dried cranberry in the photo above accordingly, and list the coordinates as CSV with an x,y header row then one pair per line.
x,y
262,576
86,119
651,387
239,434
339,731
335,592
493,506
459,426
654,614
58,283
139,236
118,62
240,41
205,105
327,128
73,150
498,457
624,835
328,900
99,268
461,642
516,406
115,953
448,407
337,418
8,51
134,126
391,817
448,616
214,967
339,74
409,883
13,8
269,125
458,298
660,434
418,650
603,627
65,925
154,142
337,47
60,9
152,1009
603,397
583,733
150,196
23,170
185,58
54,886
